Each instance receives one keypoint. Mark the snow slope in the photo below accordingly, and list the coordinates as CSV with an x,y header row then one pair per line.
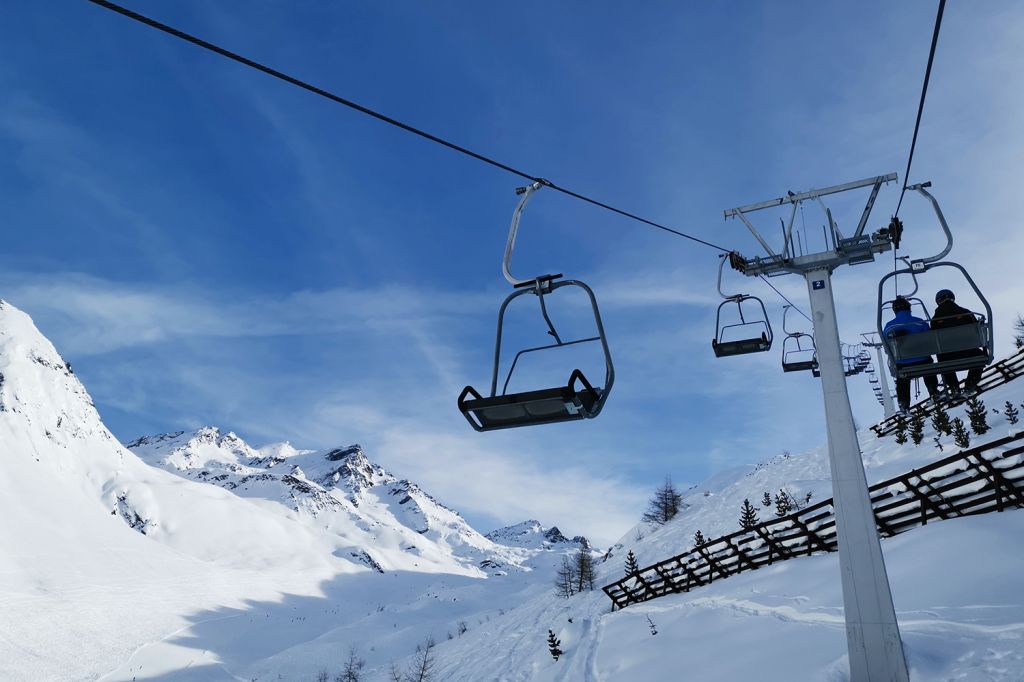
x,y
957,588
194,556
213,556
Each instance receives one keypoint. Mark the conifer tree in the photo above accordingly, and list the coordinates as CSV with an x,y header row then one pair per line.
x,y
554,645
960,435
665,504
748,515
631,564
783,503
941,422
938,443
1018,331
917,428
1012,415
901,430
976,413
766,501
652,626
698,538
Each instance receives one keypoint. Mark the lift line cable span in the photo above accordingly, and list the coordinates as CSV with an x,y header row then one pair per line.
x,y
199,42
920,106
245,61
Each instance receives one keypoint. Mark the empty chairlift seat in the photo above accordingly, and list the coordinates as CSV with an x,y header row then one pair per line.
x,y
749,332
576,399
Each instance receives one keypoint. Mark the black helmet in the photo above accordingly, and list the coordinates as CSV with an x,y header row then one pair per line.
x,y
944,295
900,304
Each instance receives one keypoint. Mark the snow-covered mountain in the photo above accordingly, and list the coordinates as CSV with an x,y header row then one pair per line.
x,y
380,520
195,556
108,551
532,535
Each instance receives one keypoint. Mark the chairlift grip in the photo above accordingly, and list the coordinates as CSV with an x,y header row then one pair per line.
x,y
526,192
920,187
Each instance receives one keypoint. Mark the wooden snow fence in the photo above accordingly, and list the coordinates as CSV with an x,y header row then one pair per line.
x,y
995,375
987,478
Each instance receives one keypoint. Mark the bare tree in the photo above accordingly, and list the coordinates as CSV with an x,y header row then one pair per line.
x,y
565,578
353,670
584,565
323,676
394,674
1018,331
423,665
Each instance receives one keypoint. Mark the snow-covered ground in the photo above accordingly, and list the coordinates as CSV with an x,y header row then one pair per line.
x,y
195,556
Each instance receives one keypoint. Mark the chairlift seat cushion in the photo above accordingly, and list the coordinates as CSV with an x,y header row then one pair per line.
x,y
741,347
545,406
799,366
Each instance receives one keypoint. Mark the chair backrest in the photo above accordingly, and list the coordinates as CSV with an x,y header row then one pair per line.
x,y
944,340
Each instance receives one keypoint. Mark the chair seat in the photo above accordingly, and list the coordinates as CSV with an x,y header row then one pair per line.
x,y
801,366
915,371
545,406
726,348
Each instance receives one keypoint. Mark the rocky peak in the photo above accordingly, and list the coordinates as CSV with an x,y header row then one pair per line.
x,y
353,470
531,533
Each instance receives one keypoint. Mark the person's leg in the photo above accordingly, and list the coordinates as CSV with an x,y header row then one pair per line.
x,y
973,377
903,393
950,382
932,384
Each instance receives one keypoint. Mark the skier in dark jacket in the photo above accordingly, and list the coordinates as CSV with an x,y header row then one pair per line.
x,y
949,314
901,324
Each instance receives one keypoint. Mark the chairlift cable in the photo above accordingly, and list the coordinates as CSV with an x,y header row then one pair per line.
x,y
199,42
920,106
783,297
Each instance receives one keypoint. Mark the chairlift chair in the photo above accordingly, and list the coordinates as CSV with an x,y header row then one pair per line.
x,y
798,351
574,400
970,340
755,334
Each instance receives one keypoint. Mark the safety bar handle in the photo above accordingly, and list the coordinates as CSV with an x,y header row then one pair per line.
x,y
577,375
469,391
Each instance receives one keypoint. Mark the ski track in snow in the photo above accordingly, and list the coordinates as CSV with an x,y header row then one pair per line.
x,y
148,645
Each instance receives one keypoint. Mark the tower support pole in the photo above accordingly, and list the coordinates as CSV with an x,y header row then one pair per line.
x,y
872,634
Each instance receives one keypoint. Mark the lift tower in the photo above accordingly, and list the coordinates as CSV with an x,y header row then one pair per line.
x,y
872,634
871,341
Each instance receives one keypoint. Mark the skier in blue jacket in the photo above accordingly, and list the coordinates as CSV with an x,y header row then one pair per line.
x,y
901,324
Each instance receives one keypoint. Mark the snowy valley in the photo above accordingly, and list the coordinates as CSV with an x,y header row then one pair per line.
x,y
197,556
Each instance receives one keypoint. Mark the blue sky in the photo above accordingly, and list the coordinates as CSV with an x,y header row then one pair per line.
x,y
210,246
